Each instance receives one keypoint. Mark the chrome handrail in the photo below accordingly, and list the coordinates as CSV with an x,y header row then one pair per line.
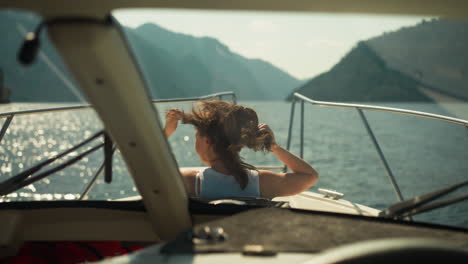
x,y
86,106
384,109
44,110
360,108
10,115
219,96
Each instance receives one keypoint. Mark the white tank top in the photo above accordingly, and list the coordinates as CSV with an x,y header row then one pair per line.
x,y
216,185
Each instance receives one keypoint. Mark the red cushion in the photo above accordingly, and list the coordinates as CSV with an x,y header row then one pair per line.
x,y
65,252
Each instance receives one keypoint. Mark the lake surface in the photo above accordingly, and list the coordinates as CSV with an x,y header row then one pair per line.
x,y
423,154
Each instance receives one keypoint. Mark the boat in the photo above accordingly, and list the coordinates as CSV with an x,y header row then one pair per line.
x,y
162,223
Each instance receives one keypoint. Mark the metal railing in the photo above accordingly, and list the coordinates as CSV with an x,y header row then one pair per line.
x,y
218,96
359,107
10,115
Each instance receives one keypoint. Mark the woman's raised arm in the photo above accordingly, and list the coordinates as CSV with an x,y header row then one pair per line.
x,y
301,177
172,119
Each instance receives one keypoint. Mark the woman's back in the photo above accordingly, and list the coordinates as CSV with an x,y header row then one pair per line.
x,y
215,185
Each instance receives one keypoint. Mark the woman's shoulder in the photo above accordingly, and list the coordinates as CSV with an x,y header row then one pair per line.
x,y
191,172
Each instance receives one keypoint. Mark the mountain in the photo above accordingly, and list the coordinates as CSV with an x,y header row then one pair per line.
x,y
434,52
204,65
38,82
362,76
174,65
4,91
404,66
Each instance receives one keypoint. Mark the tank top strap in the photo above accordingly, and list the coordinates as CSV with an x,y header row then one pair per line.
x,y
198,181
254,180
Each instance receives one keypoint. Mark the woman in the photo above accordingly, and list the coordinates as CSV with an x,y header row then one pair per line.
x,y
222,130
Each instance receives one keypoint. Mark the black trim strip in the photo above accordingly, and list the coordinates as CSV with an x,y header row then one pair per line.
x,y
202,207
112,205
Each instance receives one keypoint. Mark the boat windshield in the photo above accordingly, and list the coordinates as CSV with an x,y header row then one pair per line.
x,y
313,78
43,117
409,62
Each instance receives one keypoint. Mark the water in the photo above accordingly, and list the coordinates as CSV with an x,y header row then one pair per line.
x,y
423,154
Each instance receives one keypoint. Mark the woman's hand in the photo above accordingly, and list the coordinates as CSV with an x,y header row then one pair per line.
x,y
172,118
267,130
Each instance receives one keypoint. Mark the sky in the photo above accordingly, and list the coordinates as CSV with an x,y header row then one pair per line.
x,y
302,44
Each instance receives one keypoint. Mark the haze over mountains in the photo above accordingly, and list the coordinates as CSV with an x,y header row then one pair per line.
x,y
174,65
411,64
403,66
178,65
434,53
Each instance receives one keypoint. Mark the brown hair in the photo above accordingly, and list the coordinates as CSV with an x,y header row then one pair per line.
x,y
229,127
